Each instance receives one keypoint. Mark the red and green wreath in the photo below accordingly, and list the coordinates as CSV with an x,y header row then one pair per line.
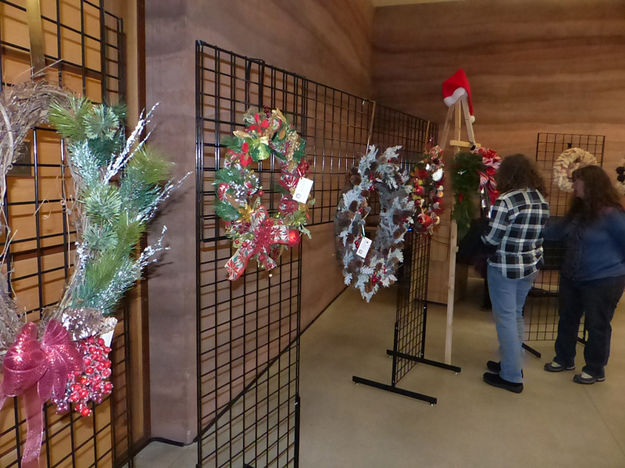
x,y
427,180
254,232
472,172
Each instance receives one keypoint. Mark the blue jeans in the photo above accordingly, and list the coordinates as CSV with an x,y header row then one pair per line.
x,y
596,300
508,298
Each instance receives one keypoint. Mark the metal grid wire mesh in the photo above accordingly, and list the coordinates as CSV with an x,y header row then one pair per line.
x,y
83,51
410,320
248,331
541,307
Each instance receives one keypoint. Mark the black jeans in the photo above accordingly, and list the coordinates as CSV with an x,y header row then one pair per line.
x,y
596,300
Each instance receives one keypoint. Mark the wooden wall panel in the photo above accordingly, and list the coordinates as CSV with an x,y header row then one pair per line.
x,y
533,65
325,41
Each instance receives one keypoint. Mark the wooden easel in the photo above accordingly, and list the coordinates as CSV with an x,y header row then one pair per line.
x,y
455,113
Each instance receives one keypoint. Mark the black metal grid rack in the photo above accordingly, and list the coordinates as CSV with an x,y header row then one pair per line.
x,y
541,307
410,319
87,57
248,330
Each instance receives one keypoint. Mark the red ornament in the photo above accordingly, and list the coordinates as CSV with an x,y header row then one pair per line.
x,y
294,237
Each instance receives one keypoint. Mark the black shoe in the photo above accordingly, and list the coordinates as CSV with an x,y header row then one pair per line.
x,y
549,367
577,378
494,366
496,381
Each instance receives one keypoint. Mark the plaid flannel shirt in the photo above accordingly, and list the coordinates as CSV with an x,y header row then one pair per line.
x,y
516,226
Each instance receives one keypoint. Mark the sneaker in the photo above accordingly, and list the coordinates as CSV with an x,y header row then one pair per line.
x,y
496,381
553,366
587,379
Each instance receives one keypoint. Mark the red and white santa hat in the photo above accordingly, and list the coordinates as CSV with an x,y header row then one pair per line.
x,y
455,87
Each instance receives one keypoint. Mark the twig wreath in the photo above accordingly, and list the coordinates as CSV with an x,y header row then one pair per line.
x,y
22,107
254,233
566,163
119,184
427,180
368,266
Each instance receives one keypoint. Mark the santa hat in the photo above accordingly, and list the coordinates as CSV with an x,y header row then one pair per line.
x,y
455,87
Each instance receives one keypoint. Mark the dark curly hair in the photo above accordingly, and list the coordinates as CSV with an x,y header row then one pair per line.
x,y
599,193
517,172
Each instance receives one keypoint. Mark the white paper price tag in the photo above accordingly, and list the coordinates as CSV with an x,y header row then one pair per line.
x,y
302,190
363,248
108,337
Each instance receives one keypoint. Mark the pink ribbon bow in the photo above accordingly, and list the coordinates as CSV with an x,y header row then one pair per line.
x,y
38,371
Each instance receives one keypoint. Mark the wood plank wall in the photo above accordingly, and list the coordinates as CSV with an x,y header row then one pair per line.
x,y
533,65
325,41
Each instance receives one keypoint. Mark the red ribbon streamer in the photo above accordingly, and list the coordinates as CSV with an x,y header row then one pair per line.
x,y
38,372
491,161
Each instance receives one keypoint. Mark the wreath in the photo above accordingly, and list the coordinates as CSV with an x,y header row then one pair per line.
x,y
465,181
570,160
254,233
367,271
119,184
427,180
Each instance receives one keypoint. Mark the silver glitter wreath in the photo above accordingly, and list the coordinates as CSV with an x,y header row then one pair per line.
x,y
378,268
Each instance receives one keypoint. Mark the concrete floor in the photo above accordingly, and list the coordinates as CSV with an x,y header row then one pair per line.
x,y
553,423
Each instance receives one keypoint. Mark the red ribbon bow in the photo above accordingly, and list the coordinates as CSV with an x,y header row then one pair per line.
x,y
38,371
491,161
267,232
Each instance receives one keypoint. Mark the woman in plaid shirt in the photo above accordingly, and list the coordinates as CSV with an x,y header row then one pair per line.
x,y
517,219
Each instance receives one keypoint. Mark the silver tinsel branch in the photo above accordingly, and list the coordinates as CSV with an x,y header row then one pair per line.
x,y
131,147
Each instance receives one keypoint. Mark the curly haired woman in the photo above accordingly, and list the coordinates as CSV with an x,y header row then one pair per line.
x,y
516,223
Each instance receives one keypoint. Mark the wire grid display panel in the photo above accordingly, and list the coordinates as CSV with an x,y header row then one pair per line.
x,y
393,128
243,325
248,330
410,319
82,44
541,306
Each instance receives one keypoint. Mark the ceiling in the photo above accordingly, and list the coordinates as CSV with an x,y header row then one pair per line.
x,y
384,3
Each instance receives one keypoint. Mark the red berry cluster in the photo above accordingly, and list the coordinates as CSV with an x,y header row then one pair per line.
x,y
92,384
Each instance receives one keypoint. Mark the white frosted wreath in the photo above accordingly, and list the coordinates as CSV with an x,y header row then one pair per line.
x,y
567,163
368,271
